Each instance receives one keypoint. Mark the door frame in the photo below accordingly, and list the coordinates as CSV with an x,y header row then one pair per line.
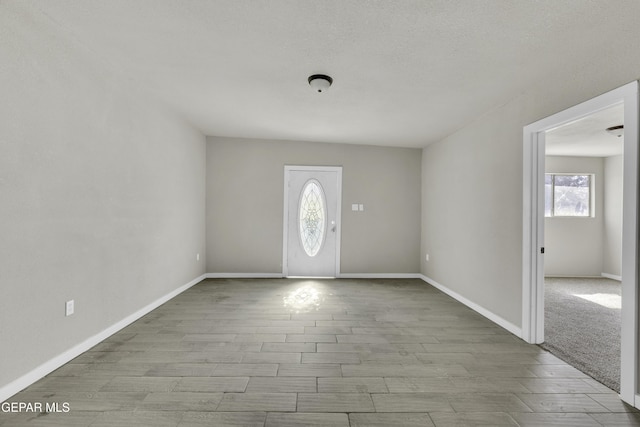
x,y
533,228
285,215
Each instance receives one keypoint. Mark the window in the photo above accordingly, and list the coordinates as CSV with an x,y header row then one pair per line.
x,y
567,195
311,218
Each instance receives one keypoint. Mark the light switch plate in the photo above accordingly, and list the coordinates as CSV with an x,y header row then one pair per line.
x,y
361,206
354,207
69,308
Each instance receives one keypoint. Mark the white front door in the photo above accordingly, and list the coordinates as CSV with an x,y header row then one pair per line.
x,y
312,221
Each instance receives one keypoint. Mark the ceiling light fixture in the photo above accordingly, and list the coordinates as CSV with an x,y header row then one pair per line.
x,y
616,130
320,82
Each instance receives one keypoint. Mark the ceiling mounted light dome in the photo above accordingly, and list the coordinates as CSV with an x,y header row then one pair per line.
x,y
320,82
616,130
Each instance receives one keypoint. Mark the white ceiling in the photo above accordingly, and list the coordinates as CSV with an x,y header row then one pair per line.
x,y
588,137
406,72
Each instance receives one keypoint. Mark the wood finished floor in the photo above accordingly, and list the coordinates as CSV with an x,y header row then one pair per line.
x,y
283,353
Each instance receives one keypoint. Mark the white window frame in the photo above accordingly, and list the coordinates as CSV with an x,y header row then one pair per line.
x,y
592,213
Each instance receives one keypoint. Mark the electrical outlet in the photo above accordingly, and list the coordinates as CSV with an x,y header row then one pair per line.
x,y
197,257
69,308
426,257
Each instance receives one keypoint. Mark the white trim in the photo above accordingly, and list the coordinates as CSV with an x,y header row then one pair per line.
x,y
532,237
380,276
475,307
533,226
612,276
51,365
339,276
243,275
285,222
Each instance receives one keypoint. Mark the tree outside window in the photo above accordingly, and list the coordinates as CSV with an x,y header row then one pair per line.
x,y
567,195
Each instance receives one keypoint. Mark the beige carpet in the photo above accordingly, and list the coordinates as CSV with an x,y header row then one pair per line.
x,y
582,325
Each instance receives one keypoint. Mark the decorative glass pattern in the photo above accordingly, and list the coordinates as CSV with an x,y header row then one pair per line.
x,y
311,216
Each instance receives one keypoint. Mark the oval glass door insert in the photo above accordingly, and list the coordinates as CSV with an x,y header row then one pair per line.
x,y
312,217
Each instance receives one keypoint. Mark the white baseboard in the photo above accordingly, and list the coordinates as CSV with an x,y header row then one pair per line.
x,y
379,276
475,307
612,276
244,275
31,377
340,276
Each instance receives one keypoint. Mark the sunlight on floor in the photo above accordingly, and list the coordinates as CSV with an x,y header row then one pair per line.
x,y
605,300
305,298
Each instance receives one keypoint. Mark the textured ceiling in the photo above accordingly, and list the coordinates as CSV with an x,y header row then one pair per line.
x,y
406,72
588,137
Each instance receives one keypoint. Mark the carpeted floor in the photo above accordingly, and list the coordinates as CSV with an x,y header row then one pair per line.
x,y
582,325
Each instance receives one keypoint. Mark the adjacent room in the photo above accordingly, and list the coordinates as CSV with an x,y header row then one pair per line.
x,y
283,213
583,243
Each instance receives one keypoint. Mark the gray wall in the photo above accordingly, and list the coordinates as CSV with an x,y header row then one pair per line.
x,y
245,185
612,241
573,246
102,195
472,226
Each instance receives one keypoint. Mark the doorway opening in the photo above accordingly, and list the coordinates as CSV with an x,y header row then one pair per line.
x,y
534,136
583,243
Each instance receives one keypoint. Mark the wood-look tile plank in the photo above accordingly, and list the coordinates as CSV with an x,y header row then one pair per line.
x,y
444,419
289,347
399,358
276,419
141,384
271,357
223,419
411,402
556,371
245,370
352,385
361,339
326,330
181,401
71,384
617,419
138,418
558,402
270,402
390,419
612,402
420,385
335,402
381,370
487,402
330,358
311,338
260,338
212,384
52,419
85,401
282,385
180,370
557,385
554,420
281,329
309,370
